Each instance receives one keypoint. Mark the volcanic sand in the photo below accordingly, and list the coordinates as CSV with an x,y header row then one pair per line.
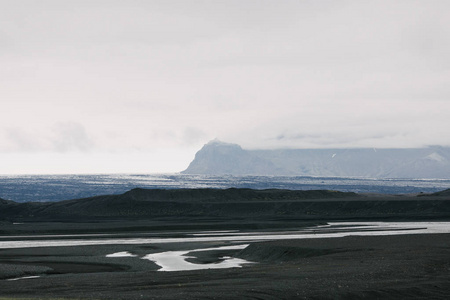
x,y
369,267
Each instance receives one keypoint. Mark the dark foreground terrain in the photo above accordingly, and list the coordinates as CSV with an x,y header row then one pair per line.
x,y
377,267
357,267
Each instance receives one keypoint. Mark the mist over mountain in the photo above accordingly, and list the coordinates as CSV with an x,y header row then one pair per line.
x,y
218,158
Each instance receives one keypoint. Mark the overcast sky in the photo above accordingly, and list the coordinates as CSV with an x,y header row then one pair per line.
x,y
89,86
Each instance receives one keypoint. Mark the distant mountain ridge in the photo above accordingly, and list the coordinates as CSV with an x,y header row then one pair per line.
x,y
218,158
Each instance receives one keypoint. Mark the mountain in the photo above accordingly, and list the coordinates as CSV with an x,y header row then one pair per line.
x,y
218,158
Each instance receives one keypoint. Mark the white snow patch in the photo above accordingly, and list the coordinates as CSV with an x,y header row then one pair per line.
x,y
436,157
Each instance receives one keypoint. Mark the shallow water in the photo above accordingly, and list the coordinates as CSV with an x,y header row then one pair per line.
x,y
176,260
121,254
335,229
22,278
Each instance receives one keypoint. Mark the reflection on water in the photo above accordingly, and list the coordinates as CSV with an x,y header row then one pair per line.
x,y
20,278
176,260
335,229
121,254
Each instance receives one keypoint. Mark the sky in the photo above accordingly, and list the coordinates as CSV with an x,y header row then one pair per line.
x,y
129,86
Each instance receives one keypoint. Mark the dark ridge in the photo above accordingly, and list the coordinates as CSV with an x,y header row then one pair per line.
x,y
229,204
6,202
231,195
442,193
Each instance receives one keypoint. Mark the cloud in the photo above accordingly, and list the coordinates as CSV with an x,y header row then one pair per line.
x,y
193,136
20,140
147,75
61,137
71,136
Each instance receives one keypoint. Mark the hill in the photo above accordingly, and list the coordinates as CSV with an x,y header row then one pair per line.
x,y
229,204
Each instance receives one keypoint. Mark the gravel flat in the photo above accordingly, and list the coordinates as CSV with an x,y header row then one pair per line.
x,y
371,267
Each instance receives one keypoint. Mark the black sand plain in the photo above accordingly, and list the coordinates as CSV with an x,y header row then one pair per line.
x,y
415,266
371,267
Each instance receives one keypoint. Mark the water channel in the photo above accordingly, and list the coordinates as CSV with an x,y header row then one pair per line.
x,y
178,260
